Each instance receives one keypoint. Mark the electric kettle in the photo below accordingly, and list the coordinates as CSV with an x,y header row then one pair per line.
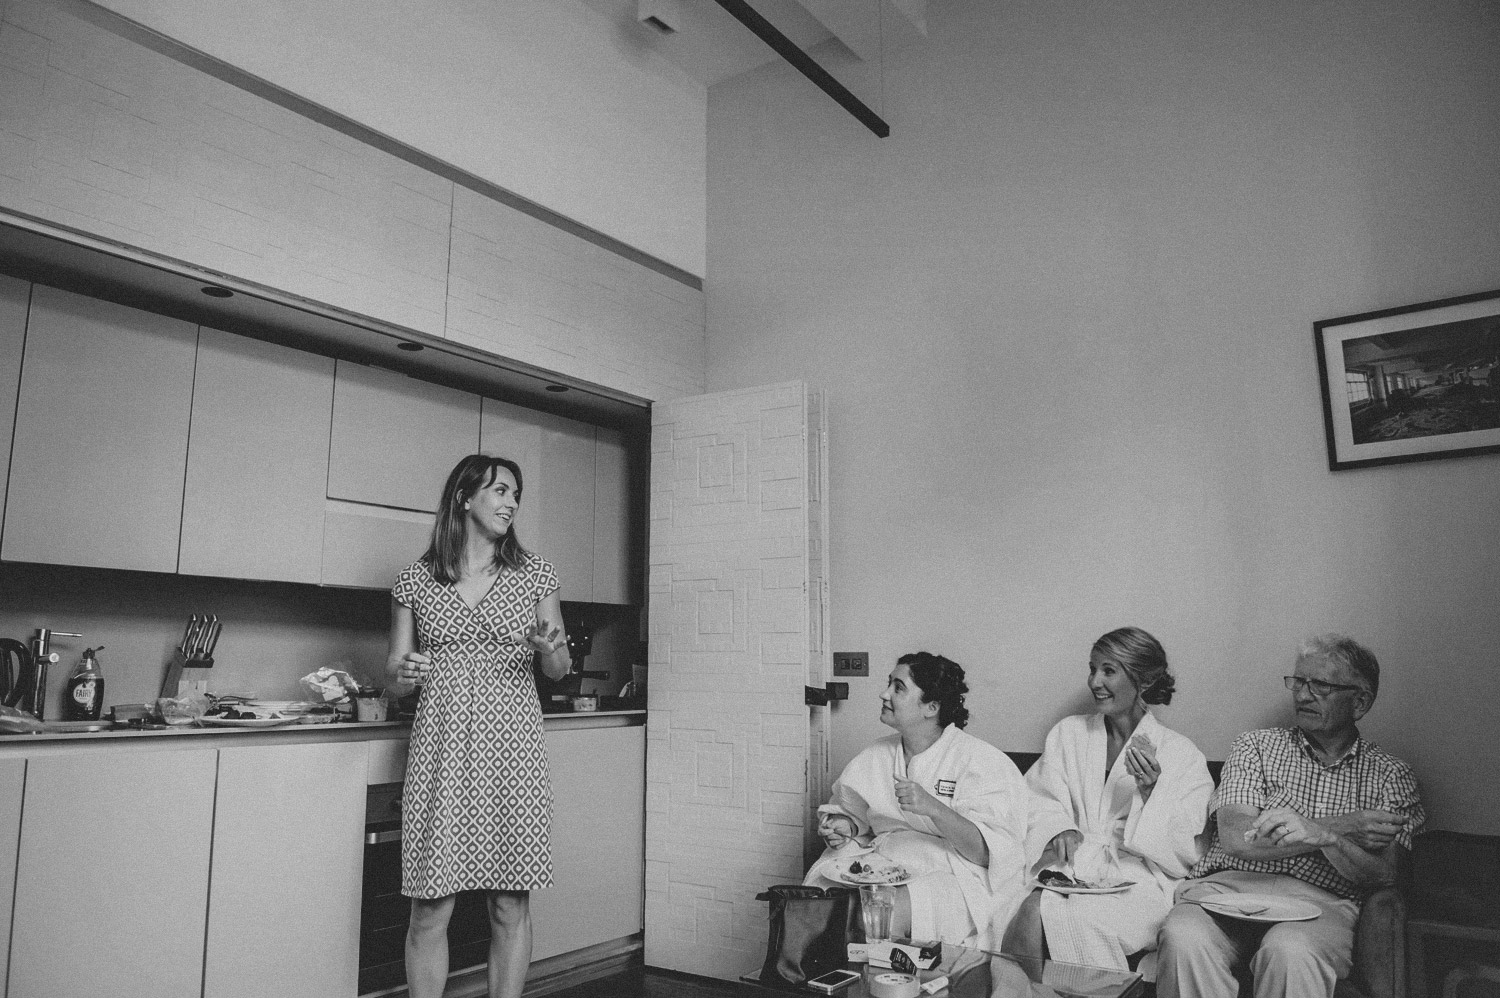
x,y
17,673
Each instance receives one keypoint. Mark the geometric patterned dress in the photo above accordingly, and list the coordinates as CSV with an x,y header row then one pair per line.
x,y
476,809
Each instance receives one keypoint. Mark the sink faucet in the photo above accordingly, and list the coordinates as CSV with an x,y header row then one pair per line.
x,y
42,656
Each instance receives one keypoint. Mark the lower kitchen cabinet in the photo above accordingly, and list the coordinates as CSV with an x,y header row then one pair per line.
x,y
12,780
284,906
112,875
598,839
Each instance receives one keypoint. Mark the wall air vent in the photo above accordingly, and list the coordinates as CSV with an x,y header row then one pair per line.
x,y
663,15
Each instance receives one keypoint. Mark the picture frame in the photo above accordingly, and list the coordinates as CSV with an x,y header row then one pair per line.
x,y
1414,383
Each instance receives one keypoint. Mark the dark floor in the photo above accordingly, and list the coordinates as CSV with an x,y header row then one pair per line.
x,y
640,983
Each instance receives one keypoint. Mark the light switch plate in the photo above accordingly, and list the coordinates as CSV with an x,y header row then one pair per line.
x,y
851,663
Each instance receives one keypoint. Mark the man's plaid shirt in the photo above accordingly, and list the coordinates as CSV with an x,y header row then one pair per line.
x,y
1275,767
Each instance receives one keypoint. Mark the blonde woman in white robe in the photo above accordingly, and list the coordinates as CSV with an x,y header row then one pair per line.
x,y
945,805
1115,796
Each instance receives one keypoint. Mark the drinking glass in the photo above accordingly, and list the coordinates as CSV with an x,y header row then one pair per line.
x,y
877,903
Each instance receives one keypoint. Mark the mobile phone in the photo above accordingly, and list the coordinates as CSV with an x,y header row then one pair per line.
x,y
834,980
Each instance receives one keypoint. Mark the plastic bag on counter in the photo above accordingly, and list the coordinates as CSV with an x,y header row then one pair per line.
x,y
331,685
17,722
184,710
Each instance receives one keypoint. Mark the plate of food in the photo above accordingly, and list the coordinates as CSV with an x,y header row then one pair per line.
x,y
1056,880
1260,907
239,720
868,869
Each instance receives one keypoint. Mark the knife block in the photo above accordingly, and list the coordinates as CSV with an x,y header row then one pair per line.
x,y
171,685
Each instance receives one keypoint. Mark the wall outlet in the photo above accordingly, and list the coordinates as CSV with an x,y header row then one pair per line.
x,y
851,663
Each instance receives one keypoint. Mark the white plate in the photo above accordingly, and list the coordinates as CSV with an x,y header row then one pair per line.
x,y
843,876
1065,889
247,722
1261,907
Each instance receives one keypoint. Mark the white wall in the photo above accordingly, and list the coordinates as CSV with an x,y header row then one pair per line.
x,y
541,97
1064,319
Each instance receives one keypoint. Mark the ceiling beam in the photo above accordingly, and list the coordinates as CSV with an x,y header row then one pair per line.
x,y
767,32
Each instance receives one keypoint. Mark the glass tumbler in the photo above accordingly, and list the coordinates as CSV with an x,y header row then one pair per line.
x,y
877,905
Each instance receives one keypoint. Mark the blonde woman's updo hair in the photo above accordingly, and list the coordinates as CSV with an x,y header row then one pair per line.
x,y
1144,661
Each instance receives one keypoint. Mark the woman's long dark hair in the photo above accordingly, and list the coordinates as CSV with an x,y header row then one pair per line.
x,y
942,682
450,531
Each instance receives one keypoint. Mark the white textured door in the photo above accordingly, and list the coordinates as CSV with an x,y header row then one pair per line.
x,y
734,759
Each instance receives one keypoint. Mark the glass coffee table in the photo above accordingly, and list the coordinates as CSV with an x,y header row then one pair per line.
x,y
976,973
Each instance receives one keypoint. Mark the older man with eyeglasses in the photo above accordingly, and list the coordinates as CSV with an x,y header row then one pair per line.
x,y
1307,822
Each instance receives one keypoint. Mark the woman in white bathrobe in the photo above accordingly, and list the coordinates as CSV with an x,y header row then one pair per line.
x,y
947,806
1115,796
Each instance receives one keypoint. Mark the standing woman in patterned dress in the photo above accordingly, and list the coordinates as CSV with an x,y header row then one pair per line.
x,y
467,622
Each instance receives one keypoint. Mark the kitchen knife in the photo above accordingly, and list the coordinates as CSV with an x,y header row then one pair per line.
x,y
200,647
194,626
187,633
214,630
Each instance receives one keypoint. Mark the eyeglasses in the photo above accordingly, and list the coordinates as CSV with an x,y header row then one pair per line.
x,y
1318,688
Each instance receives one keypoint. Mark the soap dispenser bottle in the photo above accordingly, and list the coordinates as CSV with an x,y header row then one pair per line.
x,y
85,697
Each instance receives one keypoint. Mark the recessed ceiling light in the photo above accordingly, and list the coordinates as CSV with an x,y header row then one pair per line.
x,y
410,347
217,292
557,388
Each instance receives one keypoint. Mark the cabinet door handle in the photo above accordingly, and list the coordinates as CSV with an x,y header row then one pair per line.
x,y
376,838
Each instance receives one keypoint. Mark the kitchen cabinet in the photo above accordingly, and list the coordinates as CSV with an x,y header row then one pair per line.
x,y
575,508
12,780
598,839
101,431
394,439
556,456
288,855
257,461
614,555
513,432
567,466
367,546
112,877
14,296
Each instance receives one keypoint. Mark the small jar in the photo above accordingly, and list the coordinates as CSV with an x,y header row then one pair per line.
x,y
369,704
585,702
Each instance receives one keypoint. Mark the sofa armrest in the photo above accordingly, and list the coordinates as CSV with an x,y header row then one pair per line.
x,y
1380,945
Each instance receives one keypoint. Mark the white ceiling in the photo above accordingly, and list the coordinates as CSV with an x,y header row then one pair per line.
x,y
711,46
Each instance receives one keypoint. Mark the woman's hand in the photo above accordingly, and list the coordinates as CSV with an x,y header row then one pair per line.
x,y
1141,764
414,668
543,639
912,797
1064,846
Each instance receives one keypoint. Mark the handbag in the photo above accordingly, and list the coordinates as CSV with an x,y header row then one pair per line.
x,y
810,929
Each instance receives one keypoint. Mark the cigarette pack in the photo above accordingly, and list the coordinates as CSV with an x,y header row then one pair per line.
x,y
921,955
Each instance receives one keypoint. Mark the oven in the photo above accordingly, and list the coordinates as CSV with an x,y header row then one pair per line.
x,y
385,912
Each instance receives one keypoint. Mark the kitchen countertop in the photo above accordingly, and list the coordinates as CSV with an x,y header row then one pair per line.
x,y
347,731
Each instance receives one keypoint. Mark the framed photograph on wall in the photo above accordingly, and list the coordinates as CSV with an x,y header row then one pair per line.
x,y
1413,383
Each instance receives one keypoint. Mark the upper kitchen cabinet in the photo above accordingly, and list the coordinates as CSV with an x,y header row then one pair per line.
x,y
13,298
615,544
567,468
395,439
366,547
257,461
101,432
512,432
557,459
